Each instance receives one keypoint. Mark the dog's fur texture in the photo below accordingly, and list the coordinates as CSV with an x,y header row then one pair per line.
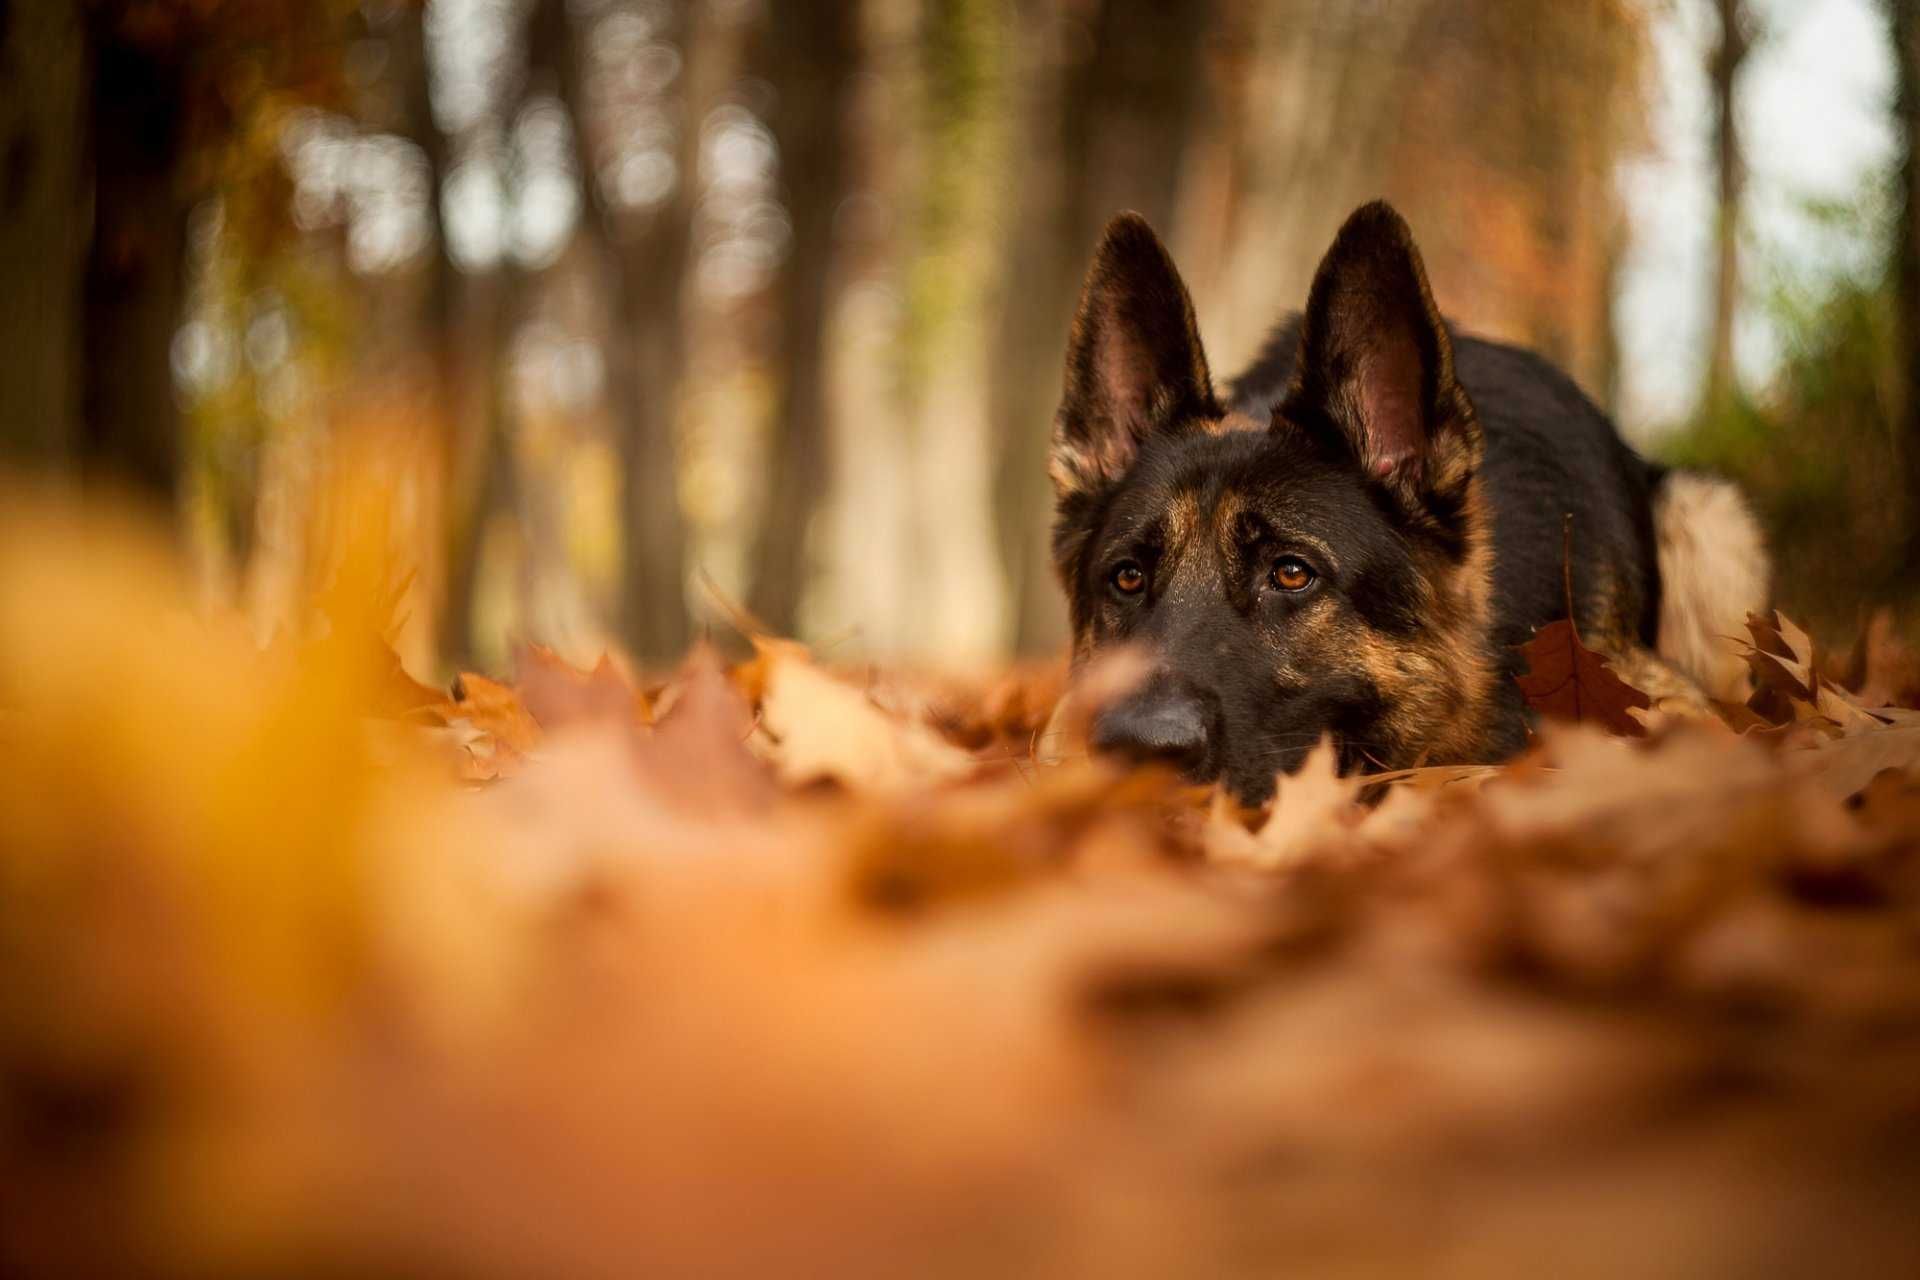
x,y
1355,540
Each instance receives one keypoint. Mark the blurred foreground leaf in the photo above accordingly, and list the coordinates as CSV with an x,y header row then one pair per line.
x,y
307,967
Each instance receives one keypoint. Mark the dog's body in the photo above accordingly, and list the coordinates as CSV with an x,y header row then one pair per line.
x,y
1358,538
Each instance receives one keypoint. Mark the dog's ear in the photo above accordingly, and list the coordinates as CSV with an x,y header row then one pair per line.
x,y
1376,364
1134,362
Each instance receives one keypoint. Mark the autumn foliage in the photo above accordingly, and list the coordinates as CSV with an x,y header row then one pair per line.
x,y
769,967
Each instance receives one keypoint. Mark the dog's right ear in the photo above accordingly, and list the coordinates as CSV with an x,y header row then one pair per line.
x,y
1134,362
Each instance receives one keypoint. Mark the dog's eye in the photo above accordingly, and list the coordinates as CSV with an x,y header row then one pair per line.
x,y
1291,574
1129,579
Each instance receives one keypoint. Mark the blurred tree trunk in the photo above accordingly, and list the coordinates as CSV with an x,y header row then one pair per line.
x,y
1110,130
1132,105
645,259
1036,306
812,54
135,275
43,63
1221,161
1905,23
484,465
1609,366
1723,68
454,319
1329,81
958,167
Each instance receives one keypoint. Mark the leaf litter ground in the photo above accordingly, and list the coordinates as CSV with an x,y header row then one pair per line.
x,y
306,967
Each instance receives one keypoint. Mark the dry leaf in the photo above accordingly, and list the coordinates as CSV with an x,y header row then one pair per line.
x,y
280,999
1788,686
814,727
1568,682
503,732
1845,765
697,756
1069,729
557,694
1313,804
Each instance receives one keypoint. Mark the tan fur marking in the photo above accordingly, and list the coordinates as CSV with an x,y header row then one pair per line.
x,y
1234,422
1439,690
1439,687
1182,522
1225,517
1671,691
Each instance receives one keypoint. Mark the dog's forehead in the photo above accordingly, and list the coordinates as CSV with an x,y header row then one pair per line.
x,y
1201,485
1237,421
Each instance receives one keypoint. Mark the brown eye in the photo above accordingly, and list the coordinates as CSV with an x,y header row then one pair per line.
x,y
1290,574
1129,579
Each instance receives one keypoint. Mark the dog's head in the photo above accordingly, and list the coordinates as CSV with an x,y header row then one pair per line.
x,y
1321,569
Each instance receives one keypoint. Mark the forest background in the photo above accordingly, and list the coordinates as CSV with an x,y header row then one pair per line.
x,y
656,310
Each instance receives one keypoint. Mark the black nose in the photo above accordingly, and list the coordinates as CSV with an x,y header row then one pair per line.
x,y
1164,725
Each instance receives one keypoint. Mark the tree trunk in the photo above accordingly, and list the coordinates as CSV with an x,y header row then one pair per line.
x,y
481,475
646,258
647,374
1108,132
453,316
1905,23
1036,307
813,51
1140,94
43,61
1730,172
135,272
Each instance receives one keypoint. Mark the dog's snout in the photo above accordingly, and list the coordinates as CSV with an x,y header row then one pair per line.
x,y
1165,726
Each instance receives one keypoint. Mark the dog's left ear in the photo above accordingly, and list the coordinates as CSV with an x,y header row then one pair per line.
x,y
1376,364
1135,367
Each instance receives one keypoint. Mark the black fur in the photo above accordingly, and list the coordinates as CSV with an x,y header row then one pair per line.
x,y
1550,453
1356,544
1258,725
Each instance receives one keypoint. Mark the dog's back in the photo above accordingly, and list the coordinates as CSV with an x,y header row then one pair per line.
x,y
1671,561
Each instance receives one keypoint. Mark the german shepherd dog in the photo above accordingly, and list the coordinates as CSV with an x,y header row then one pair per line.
x,y
1354,540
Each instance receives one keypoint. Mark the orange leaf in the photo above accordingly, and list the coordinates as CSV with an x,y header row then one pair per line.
x,y
1567,681
506,731
398,693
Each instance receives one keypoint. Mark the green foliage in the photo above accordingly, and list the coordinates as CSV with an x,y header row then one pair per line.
x,y
1816,450
963,49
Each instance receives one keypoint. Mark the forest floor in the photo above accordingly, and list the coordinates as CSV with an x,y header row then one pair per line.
x,y
306,967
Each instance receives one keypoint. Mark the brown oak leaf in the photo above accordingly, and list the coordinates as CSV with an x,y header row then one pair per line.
x,y
1788,687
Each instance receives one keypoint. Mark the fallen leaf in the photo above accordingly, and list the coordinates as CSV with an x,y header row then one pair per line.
x,y
399,693
1569,682
657,1003
505,732
1068,732
1313,803
1788,686
557,693
1845,765
697,755
814,727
